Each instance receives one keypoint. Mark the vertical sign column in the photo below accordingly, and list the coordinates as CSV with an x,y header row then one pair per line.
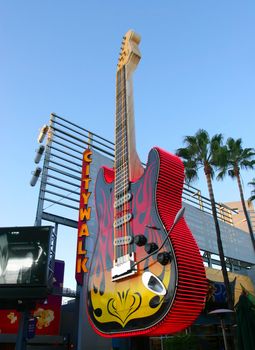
x,y
84,217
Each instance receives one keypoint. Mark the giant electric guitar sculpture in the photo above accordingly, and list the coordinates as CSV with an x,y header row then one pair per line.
x,y
144,278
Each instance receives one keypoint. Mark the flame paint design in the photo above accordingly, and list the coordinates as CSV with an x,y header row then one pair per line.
x,y
124,305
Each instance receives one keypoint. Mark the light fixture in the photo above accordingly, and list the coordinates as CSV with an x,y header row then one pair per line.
x,y
43,133
39,154
35,176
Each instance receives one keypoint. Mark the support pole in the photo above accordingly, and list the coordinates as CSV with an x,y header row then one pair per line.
x,y
21,341
224,333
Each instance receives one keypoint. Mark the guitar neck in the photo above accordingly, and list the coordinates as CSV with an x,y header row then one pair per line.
x,y
128,166
121,135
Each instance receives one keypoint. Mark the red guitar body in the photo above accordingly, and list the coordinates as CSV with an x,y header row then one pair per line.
x,y
126,306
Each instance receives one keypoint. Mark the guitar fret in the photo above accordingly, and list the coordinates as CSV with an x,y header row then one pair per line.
x,y
121,97
118,163
121,92
121,156
119,182
120,159
120,106
121,179
121,170
121,191
120,125
120,122
122,186
120,143
121,173
119,138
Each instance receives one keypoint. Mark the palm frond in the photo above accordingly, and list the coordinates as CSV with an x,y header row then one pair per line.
x,y
189,140
191,145
252,183
236,158
203,140
248,153
231,173
212,172
250,200
219,157
183,153
222,173
252,197
217,139
247,164
202,151
190,175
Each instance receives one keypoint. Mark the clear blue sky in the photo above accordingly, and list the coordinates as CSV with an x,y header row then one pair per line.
x,y
197,71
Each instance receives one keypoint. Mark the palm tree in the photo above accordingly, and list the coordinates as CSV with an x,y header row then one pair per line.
x,y
237,158
252,197
203,152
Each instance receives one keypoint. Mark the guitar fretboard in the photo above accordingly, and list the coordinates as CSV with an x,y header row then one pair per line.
x,y
121,137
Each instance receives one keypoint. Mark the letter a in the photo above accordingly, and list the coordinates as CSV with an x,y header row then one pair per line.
x,y
83,231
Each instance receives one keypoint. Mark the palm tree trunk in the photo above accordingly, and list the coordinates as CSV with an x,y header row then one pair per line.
x,y
245,210
219,242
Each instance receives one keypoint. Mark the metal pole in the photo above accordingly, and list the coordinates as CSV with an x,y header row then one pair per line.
x,y
224,334
162,342
21,341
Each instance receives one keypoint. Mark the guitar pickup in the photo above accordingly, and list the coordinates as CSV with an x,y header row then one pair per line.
x,y
124,267
122,220
123,199
123,240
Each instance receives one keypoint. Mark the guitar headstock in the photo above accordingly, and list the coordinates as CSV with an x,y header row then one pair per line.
x,y
130,54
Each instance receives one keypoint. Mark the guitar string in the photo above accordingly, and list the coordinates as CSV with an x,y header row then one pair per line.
x,y
128,206
120,150
124,154
128,203
121,162
127,227
124,168
119,157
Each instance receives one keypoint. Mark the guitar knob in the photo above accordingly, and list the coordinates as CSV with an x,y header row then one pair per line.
x,y
140,240
164,258
150,247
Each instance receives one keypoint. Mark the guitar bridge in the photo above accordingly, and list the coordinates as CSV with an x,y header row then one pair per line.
x,y
124,267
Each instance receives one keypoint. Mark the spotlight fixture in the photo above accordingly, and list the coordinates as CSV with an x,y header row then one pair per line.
x,y
43,133
35,176
39,154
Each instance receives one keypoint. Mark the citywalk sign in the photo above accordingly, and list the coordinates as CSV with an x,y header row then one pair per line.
x,y
84,217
